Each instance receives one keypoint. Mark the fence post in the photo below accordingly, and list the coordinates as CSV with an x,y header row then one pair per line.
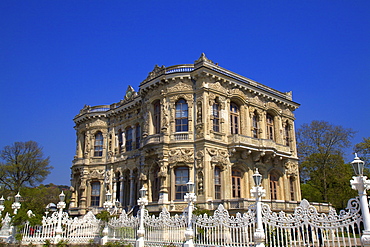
x,y
61,205
257,191
361,184
190,198
141,232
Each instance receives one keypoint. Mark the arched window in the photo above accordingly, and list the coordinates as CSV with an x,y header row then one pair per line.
x,y
181,178
126,188
255,125
270,127
287,134
234,118
236,177
157,117
181,116
98,145
216,117
274,184
137,135
95,194
217,182
128,139
118,187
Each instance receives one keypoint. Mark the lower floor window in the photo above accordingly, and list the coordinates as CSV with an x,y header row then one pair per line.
x,y
182,177
95,194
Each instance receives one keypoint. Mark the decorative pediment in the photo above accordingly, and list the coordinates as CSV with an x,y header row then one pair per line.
x,y
181,155
98,123
179,87
217,87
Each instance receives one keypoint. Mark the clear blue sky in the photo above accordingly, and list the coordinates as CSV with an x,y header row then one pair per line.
x,y
57,56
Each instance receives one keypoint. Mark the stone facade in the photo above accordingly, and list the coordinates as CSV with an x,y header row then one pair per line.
x,y
197,122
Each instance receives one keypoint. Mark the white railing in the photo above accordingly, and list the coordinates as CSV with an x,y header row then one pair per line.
x,y
307,227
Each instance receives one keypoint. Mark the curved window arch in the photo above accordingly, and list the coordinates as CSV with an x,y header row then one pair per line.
x,y
120,140
181,116
270,126
234,118
287,134
157,116
137,135
98,145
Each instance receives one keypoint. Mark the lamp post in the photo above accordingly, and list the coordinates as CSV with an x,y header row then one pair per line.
x,y
257,191
141,232
107,206
16,204
190,198
108,203
361,184
2,207
61,205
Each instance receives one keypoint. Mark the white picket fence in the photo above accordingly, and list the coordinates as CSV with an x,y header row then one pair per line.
x,y
304,227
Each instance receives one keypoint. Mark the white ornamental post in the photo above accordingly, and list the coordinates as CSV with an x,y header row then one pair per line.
x,y
16,204
361,184
2,207
107,206
61,205
257,191
143,201
190,198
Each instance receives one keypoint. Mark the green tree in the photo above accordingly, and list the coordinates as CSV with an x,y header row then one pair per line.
x,y
23,165
322,168
363,150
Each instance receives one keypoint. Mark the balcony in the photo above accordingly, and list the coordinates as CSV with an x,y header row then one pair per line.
x,y
258,144
153,139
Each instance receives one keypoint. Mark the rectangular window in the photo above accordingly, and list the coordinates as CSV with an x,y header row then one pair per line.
x,y
157,117
138,134
128,139
236,183
217,183
216,117
182,177
95,194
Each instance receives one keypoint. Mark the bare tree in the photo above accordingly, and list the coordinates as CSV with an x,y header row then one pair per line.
x,y
23,164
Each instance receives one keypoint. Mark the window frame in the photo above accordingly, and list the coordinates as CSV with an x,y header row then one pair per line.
x,y
217,183
234,118
236,180
157,116
95,194
216,117
98,144
181,116
181,181
270,125
129,138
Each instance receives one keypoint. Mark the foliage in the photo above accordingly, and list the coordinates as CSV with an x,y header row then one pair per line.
x,y
363,150
322,168
47,243
104,216
24,164
62,243
118,244
201,211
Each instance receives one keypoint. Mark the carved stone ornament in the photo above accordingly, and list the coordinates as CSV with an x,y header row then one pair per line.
x,y
179,87
291,168
156,72
219,156
96,174
217,87
98,123
181,155
130,93
203,58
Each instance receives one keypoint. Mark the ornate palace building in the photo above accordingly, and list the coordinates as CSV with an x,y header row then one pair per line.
x,y
197,122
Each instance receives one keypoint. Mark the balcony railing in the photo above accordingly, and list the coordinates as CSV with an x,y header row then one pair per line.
x,y
261,144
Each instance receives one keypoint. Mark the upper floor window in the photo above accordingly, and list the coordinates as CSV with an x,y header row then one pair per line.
x,y
236,177
181,116
98,145
217,182
128,139
270,126
216,117
95,194
255,125
137,135
120,140
287,134
234,118
274,184
181,178
157,117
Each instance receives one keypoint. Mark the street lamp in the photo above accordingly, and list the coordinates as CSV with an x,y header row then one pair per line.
x,y
61,205
257,191
190,198
2,207
108,203
142,202
16,204
361,184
